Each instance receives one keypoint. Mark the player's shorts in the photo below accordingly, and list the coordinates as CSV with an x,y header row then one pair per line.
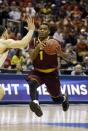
x,y
51,80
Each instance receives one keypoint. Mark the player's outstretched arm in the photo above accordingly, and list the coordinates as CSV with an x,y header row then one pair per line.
x,y
10,43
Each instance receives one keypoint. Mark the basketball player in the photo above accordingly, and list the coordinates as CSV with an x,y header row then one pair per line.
x,y
45,71
6,44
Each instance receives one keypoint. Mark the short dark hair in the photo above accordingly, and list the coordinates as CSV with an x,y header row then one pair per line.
x,y
2,29
45,23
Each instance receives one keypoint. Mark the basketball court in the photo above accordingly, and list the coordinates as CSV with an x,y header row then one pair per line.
x,y
20,118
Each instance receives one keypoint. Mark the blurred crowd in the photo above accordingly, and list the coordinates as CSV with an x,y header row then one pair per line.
x,y
68,23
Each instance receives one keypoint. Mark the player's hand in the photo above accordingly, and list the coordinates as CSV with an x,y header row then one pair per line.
x,y
30,23
6,34
41,46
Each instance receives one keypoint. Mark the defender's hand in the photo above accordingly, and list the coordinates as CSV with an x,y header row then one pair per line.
x,y
30,23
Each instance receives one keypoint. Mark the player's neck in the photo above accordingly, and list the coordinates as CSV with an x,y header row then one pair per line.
x,y
43,39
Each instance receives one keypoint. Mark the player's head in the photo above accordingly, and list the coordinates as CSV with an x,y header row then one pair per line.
x,y
43,31
2,30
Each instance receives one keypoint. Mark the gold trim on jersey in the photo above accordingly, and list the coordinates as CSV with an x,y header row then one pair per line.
x,y
46,70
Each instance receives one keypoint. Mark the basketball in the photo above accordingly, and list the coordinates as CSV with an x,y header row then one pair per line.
x,y
52,46
2,93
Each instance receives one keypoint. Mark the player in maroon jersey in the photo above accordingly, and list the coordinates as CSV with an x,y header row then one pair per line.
x,y
45,71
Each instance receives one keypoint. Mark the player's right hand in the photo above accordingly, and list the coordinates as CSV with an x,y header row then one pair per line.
x,y
30,23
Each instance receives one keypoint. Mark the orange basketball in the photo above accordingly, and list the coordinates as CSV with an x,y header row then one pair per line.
x,y
52,46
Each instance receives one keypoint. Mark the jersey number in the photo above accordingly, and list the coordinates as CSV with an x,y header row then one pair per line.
x,y
41,55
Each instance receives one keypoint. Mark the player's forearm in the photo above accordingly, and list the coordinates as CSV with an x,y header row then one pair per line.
x,y
10,43
26,39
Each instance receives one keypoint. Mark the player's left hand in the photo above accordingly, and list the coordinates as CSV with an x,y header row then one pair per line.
x,y
30,23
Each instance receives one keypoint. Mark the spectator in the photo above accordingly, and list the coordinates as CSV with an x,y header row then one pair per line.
x,y
85,63
58,35
17,58
69,49
76,13
15,14
18,68
30,11
78,70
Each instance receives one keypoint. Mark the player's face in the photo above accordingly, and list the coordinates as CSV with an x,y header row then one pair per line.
x,y
43,31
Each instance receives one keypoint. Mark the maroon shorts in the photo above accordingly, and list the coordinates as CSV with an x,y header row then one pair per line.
x,y
51,80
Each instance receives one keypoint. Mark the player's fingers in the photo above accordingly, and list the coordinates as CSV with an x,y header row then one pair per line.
x,y
44,44
32,20
28,19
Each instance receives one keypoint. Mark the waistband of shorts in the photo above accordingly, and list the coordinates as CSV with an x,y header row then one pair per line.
x,y
46,70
